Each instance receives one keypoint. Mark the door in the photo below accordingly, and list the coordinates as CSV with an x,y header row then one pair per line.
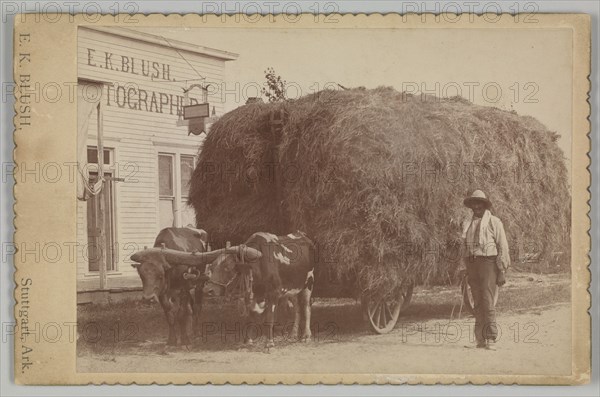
x,y
93,229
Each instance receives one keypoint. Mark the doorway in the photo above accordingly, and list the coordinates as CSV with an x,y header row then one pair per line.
x,y
94,229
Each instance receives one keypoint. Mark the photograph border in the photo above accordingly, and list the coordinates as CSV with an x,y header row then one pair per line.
x,y
33,222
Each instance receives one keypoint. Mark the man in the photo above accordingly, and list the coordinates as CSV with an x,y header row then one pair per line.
x,y
486,257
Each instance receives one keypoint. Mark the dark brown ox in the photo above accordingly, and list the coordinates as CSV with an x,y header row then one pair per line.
x,y
285,271
178,288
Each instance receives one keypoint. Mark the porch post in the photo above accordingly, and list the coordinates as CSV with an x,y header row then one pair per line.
x,y
101,242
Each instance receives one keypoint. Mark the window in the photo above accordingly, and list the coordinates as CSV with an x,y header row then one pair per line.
x,y
188,216
174,175
187,168
166,190
165,175
92,155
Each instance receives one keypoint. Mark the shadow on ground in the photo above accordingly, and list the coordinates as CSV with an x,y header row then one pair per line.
x,y
136,328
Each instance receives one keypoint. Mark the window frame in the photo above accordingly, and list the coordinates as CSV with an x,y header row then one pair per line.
x,y
177,153
173,175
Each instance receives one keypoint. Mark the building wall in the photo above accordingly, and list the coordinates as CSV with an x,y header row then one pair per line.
x,y
136,131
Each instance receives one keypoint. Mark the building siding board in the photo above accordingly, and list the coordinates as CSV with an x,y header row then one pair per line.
x,y
137,136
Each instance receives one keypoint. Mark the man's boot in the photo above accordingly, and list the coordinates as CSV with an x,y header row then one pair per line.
x,y
490,344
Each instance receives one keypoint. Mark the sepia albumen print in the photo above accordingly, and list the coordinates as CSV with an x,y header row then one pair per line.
x,y
278,202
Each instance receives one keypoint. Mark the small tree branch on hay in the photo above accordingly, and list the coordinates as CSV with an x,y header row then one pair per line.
x,y
275,86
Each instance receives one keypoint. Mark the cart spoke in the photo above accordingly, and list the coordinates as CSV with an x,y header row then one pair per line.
x,y
383,322
388,312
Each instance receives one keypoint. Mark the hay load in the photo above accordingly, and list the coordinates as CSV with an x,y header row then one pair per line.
x,y
376,178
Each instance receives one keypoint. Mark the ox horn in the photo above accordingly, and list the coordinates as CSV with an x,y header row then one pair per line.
x,y
196,259
137,257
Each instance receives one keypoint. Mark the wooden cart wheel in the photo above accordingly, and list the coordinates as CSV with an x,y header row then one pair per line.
x,y
468,296
382,314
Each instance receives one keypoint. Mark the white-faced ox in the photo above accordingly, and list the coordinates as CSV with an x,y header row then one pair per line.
x,y
284,271
178,288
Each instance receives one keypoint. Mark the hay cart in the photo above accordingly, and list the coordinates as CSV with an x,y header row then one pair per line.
x,y
355,166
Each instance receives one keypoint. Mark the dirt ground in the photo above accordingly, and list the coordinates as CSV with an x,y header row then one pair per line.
x,y
534,319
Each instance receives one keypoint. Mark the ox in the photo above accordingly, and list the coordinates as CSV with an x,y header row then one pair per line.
x,y
178,288
284,271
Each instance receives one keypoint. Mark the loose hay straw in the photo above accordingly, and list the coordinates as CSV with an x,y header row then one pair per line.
x,y
377,178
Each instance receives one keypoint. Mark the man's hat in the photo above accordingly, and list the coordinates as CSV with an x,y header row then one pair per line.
x,y
477,196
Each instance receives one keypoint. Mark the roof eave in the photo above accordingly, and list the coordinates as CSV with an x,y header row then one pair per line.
x,y
162,41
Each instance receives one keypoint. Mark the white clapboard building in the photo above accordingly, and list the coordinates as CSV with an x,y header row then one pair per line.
x,y
135,81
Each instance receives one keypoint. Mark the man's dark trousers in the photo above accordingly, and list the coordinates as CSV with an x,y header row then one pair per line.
x,y
482,273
